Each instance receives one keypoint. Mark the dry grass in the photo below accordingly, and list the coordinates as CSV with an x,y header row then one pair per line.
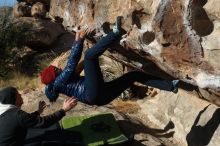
x,y
21,81
125,106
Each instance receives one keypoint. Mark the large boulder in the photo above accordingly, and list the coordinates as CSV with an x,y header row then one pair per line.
x,y
179,38
42,32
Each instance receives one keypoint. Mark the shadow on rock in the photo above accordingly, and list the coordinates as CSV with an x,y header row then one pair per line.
x,y
201,135
130,129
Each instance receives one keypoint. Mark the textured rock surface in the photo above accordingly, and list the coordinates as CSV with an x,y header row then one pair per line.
x,y
195,122
179,37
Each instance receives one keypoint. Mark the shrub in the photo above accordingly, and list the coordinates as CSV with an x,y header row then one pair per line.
x,y
11,36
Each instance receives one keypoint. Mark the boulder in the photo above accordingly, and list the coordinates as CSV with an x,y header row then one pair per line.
x,y
171,39
21,10
42,32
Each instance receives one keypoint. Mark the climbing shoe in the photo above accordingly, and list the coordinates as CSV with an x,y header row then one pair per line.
x,y
117,26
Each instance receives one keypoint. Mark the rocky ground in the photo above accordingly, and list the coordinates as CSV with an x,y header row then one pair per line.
x,y
164,119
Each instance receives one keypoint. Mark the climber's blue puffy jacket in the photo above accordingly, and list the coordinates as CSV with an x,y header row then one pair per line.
x,y
68,82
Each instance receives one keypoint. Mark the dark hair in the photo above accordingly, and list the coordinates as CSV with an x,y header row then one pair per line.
x,y
8,95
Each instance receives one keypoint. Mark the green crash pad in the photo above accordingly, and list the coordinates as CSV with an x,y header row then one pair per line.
x,y
96,129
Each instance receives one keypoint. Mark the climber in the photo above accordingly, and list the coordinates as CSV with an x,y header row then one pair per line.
x,y
15,122
91,88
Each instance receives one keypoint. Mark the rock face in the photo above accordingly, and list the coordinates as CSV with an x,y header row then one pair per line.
x,y
179,37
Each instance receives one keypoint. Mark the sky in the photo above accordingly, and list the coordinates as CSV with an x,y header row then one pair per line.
x,y
7,2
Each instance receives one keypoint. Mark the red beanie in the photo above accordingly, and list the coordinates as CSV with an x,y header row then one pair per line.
x,y
48,75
